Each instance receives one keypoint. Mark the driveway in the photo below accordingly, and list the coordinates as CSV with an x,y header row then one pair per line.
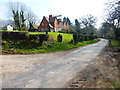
x,y
51,70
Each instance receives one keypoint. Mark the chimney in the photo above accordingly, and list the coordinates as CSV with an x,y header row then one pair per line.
x,y
50,16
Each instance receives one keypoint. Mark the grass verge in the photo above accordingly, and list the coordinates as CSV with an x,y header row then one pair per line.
x,y
66,37
115,43
13,47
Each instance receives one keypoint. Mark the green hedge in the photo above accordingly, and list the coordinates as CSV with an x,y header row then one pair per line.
x,y
24,36
79,38
14,35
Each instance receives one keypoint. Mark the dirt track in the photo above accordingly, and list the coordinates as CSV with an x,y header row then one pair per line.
x,y
104,72
47,70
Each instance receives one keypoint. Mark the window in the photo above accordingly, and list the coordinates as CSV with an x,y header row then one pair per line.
x,y
43,24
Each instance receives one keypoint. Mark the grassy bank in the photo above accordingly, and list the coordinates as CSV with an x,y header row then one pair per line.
x,y
66,37
115,43
13,47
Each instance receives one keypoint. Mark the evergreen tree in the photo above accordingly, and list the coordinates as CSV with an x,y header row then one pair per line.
x,y
22,20
16,19
22,15
68,21
65,19
77,26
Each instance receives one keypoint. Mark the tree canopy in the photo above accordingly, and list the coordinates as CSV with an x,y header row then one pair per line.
x,y
22,15
113,17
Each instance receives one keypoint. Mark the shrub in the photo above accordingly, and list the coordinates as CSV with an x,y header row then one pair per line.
x,y
59,38
43,37
33,37
75,37
86,38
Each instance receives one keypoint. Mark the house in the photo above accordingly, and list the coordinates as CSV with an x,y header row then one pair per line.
x,y
45,25
52,24
9,28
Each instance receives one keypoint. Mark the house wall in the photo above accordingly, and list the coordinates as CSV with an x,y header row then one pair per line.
x,y
55,25
58,25
9,28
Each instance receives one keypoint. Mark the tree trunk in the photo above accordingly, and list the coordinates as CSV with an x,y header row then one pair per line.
x,y
117,34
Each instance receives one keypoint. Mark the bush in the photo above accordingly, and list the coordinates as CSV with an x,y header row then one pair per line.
x,y
43,37
59,38
33,38
86,38
75,38
79,38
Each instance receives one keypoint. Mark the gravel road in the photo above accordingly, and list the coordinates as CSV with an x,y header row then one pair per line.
x,y
52,70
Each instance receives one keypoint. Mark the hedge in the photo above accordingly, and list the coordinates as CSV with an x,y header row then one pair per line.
x,y
79,38
14,35
39,38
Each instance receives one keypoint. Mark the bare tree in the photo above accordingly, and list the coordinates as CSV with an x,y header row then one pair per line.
x,y
113,17
106,31
2,24
22,15
18,14
31,18
88,20
88,23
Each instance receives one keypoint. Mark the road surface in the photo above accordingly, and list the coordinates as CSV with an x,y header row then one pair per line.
x,y
55,70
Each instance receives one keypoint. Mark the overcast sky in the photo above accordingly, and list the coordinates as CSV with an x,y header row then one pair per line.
x,y
74,9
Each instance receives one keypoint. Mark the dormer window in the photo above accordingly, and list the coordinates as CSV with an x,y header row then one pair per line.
x,y
43,24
